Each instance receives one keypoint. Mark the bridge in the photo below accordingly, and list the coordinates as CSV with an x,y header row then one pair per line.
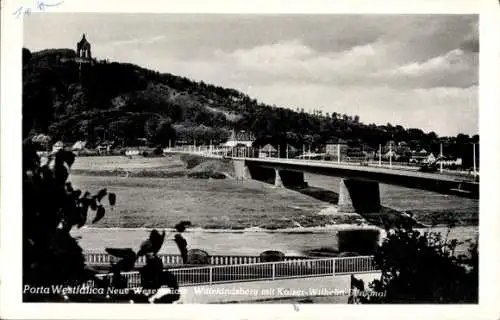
x,y
436,182
359,186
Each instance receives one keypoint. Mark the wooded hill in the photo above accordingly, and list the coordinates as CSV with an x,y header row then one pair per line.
x,y
123,102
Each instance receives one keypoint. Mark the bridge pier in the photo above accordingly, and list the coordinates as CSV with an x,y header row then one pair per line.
x,y
359,196
241,170
277,179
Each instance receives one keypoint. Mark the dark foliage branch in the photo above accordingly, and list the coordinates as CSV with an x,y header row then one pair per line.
x,y
52,257
423,268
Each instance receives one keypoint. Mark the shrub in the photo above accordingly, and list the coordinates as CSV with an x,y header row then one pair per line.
x,y
423,268
158,151
361,241
191,161
198,256
272,256
206,175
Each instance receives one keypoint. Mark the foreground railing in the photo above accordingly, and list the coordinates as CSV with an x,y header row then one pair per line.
x,y
263,271
101,259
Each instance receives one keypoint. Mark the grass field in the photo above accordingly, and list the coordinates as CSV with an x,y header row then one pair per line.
x,y
212,204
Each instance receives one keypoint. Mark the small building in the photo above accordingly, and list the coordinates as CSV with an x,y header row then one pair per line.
x,y
105,146
239,138
356,153
268,151
291,151
391,155
430,158
241,150
79,145
335,147
419,156
449,162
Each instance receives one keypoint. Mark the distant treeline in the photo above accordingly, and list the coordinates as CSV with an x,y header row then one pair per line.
x,y
121,102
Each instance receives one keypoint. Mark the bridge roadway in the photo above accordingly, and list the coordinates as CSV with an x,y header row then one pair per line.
x,y
437,182
444,183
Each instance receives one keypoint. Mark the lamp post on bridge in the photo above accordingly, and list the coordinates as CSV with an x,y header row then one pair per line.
x,y
338,153
474,159
390,155
380,155
441,158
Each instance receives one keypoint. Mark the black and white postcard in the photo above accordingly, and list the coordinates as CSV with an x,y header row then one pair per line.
x,y
200,160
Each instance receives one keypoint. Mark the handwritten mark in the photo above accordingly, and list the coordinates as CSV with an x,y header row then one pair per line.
x,y
25,10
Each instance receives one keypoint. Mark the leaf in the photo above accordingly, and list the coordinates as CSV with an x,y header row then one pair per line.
x,y
66,157
112,199
83,216
101,194
99,214
93,204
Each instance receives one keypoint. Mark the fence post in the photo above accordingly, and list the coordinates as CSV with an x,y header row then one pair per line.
x,y
274,270
333,265
210,274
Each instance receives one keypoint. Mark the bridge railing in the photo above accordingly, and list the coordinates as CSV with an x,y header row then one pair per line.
x,y
263,271
215,151
102,259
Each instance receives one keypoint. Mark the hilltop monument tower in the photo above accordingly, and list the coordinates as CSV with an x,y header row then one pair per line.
x,y
83,49
83,55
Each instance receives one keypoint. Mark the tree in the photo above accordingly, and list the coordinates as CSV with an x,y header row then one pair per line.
x,y
423,268
151,128
164,133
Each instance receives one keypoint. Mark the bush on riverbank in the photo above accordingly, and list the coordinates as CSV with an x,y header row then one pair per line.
x,y
423,268
206,175
192,161
198,257
204,168
361,241
272,256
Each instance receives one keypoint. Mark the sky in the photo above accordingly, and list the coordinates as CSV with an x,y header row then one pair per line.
x,y
418,71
